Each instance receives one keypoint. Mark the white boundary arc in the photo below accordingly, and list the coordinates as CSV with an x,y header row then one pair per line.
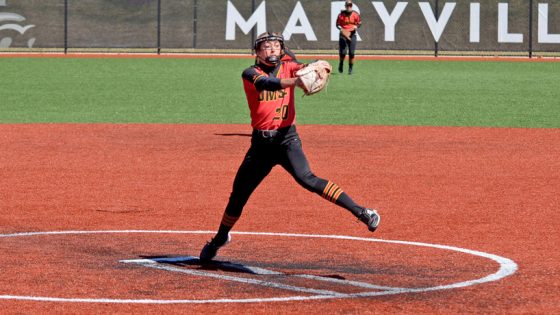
x,y
507,268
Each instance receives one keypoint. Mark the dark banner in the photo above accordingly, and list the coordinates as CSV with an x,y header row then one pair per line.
x,y
389,25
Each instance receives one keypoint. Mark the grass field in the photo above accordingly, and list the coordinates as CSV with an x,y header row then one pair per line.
x,y
381,92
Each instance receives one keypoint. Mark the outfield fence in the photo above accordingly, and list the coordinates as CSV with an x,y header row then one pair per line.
x,y
427,27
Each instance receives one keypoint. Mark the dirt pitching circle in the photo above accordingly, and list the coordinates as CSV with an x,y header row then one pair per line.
x,y
506,268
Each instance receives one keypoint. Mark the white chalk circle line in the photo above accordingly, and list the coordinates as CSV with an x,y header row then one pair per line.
x,y
506,268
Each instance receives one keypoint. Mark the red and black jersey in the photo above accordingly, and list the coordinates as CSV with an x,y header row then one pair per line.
x,y
271,106
349,21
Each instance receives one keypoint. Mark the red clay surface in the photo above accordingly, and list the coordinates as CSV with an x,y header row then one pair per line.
x,y
486,189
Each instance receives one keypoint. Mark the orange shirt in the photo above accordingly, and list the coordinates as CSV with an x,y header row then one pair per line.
x,y
349,22
273,107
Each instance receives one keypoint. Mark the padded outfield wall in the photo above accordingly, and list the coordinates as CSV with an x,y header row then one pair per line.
x,y
460,26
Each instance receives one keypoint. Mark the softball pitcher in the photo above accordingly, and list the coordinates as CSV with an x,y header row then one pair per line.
x,y
269,88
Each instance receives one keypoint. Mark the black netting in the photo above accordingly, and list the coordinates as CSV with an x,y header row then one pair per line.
x,y
32,23
203,24
457,34
114,24
177,24
553,28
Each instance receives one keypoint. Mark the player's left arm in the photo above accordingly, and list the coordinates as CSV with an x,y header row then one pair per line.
x,y
358,23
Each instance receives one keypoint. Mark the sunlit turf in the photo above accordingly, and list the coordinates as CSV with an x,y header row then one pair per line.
x,y
380,92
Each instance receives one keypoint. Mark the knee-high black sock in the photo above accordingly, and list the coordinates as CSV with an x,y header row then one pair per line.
x,y
334,194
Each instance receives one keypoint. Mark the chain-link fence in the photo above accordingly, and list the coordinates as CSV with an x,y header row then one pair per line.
x,y
514,27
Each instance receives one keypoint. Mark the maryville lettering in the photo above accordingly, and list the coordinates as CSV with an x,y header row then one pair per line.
x,y
390,17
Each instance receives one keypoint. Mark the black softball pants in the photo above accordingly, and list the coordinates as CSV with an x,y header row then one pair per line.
x,y
282,147
346,46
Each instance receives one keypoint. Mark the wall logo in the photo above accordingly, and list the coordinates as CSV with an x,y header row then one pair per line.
x,y
477,19
9,24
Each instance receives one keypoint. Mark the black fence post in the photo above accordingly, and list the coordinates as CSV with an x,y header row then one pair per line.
x,y
159,27
253,4
195,22
436,47
65,26
530,28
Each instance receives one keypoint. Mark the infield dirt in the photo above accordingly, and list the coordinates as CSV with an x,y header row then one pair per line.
x,y
488,189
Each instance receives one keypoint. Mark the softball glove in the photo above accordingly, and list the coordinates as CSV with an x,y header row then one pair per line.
x,y
314,77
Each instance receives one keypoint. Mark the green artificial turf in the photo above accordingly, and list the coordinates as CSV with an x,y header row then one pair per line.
x,y
380,92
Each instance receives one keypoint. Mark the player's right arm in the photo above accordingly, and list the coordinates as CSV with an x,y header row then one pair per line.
x,y
262,81
339,20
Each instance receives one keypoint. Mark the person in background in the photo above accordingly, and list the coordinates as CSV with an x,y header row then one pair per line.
x,y
348,21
